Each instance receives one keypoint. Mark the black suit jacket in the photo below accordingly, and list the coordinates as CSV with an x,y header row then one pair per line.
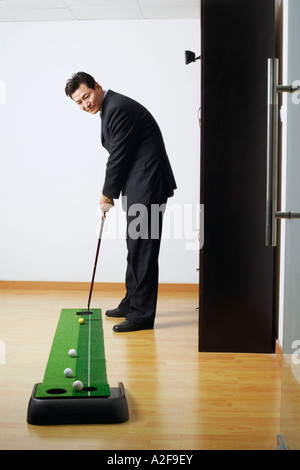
x,y
138,165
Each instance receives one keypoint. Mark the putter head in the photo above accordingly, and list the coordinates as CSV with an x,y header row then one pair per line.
x,y
85,312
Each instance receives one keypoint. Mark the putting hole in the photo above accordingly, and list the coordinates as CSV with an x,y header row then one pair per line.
x,y
56,391
89,389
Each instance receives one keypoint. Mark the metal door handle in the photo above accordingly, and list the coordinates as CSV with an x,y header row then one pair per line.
x,y
272,153
287,215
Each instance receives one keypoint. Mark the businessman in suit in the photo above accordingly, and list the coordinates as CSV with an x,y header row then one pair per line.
x,y
138,168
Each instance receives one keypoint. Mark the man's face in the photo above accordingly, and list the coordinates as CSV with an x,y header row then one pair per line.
x,y
88,99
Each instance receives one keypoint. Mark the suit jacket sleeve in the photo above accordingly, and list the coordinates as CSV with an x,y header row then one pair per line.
x,y
121,127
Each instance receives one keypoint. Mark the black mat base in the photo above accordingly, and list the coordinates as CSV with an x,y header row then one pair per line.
x,y
77,410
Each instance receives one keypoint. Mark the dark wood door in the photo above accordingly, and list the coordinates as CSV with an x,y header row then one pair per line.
x,y
236,267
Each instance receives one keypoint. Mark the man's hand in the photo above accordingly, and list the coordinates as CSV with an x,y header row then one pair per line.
x,y
106,203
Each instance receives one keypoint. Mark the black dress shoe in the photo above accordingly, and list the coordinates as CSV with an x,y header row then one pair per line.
x,y
116,313
128,325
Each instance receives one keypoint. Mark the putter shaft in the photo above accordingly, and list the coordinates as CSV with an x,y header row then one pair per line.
x,y
96,260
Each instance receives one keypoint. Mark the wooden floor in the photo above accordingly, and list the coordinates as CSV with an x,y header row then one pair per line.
x,y
178,398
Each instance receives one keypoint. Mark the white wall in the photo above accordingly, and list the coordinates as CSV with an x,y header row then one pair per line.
x,y
289,322
52,163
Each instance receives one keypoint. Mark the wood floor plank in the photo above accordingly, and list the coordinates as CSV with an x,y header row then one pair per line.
x,y
178,398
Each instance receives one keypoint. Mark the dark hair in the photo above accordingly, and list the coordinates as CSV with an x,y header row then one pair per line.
x,y
76,80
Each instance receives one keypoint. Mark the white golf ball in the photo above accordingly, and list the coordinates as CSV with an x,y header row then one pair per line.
x,y
72,353
77,385
68,372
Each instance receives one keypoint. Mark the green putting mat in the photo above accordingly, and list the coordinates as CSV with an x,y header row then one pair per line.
x,y
88,366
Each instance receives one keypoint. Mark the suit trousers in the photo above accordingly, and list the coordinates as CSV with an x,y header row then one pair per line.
x,y
144,229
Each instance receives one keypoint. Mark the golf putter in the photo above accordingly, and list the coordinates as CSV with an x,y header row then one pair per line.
x,y
88,311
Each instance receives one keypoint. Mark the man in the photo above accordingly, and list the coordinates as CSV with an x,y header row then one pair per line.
x,y
139,168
